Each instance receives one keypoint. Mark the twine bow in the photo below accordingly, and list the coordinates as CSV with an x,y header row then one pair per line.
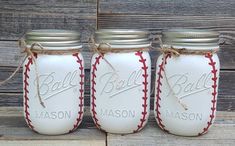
x,y
177,52
29,51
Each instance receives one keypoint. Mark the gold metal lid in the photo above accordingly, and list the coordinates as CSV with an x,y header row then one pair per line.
x,y
190,38
123,38
54,38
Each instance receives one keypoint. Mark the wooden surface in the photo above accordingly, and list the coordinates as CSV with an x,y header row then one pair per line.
x,y
221,134
14,132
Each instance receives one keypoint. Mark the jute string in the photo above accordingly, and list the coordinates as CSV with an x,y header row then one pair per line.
x,y
38,49
176,52
103,48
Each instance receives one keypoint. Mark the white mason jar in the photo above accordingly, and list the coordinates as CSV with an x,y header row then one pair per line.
x,y
187,84
58,69
120,80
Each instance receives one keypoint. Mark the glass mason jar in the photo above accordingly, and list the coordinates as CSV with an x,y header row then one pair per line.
x,y
120,80
187,79
54,74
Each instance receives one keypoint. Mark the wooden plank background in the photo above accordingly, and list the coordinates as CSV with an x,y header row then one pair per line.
x,y
17,17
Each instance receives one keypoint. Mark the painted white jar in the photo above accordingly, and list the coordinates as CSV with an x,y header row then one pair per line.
x,y
60,73
187,85
120,80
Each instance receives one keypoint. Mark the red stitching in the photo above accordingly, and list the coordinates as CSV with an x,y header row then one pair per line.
x,y
145,90
26,92
214,93
80,113
93,98
158,90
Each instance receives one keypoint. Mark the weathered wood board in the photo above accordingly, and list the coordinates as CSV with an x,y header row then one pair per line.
x,y
14,132
222,133
17,17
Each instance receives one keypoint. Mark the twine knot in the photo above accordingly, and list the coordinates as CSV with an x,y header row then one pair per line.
x,y
170,50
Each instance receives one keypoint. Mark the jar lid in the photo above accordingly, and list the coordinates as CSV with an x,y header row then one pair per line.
x,y
54,38
190,38
123,38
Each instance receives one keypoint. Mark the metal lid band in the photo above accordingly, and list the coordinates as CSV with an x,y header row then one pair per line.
x,y
190,38
54,39
122,38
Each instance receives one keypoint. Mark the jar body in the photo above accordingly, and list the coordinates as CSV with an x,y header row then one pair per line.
x,y
61,86
193,80
120,94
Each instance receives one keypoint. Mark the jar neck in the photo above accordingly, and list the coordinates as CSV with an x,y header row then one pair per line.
x,y
123,46
56,47
193,47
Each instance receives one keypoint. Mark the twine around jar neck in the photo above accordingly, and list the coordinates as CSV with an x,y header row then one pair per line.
x,y
103,48
177,52
38,49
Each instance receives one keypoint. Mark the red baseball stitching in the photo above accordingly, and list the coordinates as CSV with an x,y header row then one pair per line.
x,y
93,83
158,90
26,92
80,113
145,90
214,93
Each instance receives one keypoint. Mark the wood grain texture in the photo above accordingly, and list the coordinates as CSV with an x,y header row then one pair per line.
x,y
14,132
156,23
13,117
17,17
222,133
169,7
156,15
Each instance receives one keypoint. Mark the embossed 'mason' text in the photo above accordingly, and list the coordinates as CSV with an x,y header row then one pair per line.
x,y
117,113
53,115
183,115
